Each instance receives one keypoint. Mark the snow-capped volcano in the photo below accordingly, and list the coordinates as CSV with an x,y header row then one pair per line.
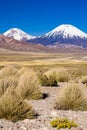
x,y
18,34
63,34
66,31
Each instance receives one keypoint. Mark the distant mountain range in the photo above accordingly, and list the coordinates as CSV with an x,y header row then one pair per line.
x,y
65,35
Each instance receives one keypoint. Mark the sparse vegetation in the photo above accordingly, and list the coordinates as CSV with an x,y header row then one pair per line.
x,y
7,82
53,76
8,71
15,88
48,81
60,74
24,81
78,72
23,70
84,80
63,123
29,86
24,84
71,97
13,108
8,78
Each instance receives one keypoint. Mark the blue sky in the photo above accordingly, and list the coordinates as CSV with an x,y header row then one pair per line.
x,y
37,17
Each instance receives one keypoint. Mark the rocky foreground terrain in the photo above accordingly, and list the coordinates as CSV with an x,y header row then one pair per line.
x,y
46,113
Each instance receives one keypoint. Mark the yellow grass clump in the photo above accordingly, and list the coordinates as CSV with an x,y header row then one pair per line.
x,y
11,81
23,70
8,78
28,86
71,98
15,88
13,108
24,81
84,79
8,71
61,74
48,81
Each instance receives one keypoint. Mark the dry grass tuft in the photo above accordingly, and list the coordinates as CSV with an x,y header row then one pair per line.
x,y
84,79
24,81
8,71
7,82
29,87
14,89
8,78
23,70
48,81
71,97
13,108
61,74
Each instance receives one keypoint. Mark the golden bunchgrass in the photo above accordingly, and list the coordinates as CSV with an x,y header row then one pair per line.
x,y
84,79
5,83
13,108
8,71
61,74
15,89
71,97
29,86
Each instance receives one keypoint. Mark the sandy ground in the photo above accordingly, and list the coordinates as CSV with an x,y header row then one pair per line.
x,y
46,113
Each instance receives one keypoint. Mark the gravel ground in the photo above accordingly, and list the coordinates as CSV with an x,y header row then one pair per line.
x,y
46,113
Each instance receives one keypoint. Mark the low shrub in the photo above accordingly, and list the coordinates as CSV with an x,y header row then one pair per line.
x,y
24,81
8,78
23,70
13,108
63,123
77,71
52,81
48,81
7,82
84,80
44,80
60,74
29,86
8,71
71,97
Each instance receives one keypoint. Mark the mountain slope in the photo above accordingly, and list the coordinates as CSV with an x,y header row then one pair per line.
x,y
18,34
66,31
12,44
63,34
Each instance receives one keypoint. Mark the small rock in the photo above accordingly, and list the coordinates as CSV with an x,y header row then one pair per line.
x,y
44,128
1,126
23,128
53,113
26,121
79,128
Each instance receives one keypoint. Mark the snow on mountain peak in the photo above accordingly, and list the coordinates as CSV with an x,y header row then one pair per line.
x,y
66,31
18,34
